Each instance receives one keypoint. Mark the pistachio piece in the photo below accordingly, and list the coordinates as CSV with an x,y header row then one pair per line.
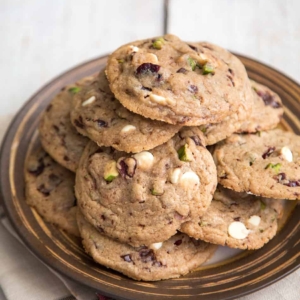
x,y
110,171
128,128
286,153
88,101
184,153
276,167
238,230
254,220
262,205
120,61
155,192
74,90
193,64
144,159
208,69
158,43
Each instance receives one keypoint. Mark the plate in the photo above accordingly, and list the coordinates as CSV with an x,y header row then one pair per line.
x,y
242,275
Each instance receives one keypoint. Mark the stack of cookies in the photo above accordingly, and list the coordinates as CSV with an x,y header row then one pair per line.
x,y
150,199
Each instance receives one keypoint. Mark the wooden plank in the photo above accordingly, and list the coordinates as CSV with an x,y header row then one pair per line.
x,y
41,39
264,30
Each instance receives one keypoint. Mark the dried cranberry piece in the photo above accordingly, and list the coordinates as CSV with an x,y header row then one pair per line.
x,y
45,191
101,123
147,255
178,242
127,257
193,89
268,152
146,89
196,140
182,70
127,167
268,99
193,47
79,122
147,69
54,180
38,169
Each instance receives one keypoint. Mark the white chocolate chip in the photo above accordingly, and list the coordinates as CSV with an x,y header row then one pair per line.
x,y
161,100
286,154
88,101
156,246
238,230
189,179
175,175
134,48
254,220
128,128
144,159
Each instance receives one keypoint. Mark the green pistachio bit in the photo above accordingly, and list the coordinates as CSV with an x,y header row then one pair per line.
x,y
261,230
155,192
252,160
262,205
158,43
110,171
192,63
208,69
258,133
120,61
74,90
183,153
203,224
203,128
276,167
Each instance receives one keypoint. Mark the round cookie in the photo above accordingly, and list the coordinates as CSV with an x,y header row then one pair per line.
x,y
144,198
266,112
50,190
96,113
266,164
173,81
175,257
220,131
58,136
237,220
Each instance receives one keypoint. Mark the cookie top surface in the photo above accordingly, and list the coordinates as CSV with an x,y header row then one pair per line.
x,y
50,190
144,198
173,81
175,257
96,113
58,136
266,112
237,220
266,164
219,131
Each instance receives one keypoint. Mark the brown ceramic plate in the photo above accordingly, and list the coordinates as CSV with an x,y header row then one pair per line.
x,y
240,276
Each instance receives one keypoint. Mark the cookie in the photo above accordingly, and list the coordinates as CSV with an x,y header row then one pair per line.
x,y
96,113
58,136
266,112
173,81
175,257
144,198
266,164
232,123
237,220
50,190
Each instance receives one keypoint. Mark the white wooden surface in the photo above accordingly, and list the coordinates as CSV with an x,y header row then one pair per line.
x,y
41,39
